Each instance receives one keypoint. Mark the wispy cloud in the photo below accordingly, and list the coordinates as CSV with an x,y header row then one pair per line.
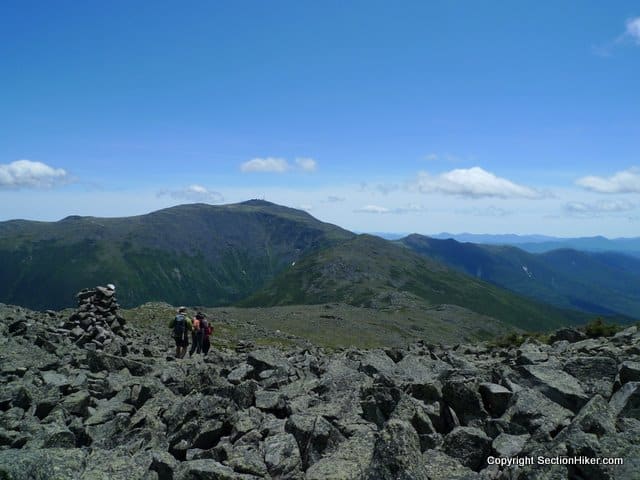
x,y
490,211
625,181
633,30
378,210
472,182
268,164
334,199
30,174
599,209
631,35
307,164
193,193
278,165
383,188
372,209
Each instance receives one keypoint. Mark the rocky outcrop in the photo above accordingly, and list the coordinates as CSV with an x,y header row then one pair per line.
x,y
127,409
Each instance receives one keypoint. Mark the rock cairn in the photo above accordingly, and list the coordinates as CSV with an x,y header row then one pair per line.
x,y
95,323
425,412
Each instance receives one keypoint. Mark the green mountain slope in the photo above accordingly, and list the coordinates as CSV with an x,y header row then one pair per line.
x,y
193,254
368,271
599,283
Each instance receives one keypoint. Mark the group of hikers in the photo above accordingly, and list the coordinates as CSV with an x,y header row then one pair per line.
x,y
198,328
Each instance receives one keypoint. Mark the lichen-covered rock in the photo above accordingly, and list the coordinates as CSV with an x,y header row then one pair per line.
x,y
397,454
495,397
470,446
282,456
558,386
626,401
42,464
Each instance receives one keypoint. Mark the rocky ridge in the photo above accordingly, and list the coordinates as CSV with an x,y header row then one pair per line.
x,y
126,409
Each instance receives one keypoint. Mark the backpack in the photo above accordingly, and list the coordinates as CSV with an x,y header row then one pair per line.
x,y
204,326
179,326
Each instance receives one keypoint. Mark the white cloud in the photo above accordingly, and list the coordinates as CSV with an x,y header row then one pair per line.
x,y
473,182
307,164
372,209
268,164
376,209
29,174
626,181
193,193
633,29
631,35
599,209
278,165
334,199
490,211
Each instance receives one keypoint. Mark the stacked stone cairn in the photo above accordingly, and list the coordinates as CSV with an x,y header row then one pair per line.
x,y
95,323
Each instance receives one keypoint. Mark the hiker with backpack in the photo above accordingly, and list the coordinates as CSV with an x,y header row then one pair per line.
x,y
206,331
198,332
181,325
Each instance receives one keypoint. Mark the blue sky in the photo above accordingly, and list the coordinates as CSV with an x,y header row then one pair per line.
x,y
486,117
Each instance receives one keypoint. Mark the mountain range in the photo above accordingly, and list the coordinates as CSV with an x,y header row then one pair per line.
x,y
598,282
259,254
544,243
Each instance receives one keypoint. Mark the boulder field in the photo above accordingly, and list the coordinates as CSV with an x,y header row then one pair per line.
x,y
87,396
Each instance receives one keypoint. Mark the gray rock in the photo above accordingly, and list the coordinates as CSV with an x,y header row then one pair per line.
x,y
531,358
315,436
470,446
268,359
56,380
209,433
505,445
440,466
77,403
59,437
418,414
99,362
240,373
596,417
244,393
247,459
570,335
348,462
626,401
558,386
377,362
462,395
536,414
163,464
595,373
116,464
625,336
282,457
271,401
629,371
397,454
208,470
495,397
39,464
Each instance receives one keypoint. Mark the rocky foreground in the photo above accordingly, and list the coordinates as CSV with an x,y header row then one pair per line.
x,y
78,402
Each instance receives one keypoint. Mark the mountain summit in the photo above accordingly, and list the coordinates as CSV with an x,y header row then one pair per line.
x,y
191,254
